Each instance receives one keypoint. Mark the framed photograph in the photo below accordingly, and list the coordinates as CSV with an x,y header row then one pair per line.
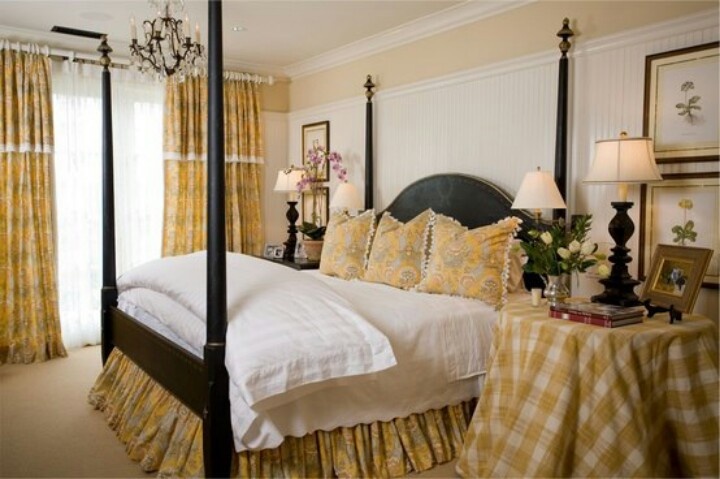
x,y
683,210
675,276
278,252
270,250
314,135
681,104
322,205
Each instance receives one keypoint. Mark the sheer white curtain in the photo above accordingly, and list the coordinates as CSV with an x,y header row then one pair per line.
x,y
137,133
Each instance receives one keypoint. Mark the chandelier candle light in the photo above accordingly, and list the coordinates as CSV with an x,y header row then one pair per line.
x,y
167,48
622,161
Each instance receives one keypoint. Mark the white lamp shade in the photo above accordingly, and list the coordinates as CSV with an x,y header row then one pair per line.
x,y
624,160
287,181
346,196
538,191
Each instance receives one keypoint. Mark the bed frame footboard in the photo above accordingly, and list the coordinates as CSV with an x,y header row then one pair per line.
x,y
178,371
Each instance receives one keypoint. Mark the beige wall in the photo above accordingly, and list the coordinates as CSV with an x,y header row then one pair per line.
x,y
516,33
275,97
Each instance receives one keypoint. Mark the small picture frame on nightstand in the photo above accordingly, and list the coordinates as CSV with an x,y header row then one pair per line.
x,y
271,251
278,252
675,277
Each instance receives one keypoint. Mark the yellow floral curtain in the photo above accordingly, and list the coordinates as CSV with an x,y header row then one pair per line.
x,y
29,320
185,143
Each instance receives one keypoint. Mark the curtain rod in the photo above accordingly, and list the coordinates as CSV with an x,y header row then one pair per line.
x,y
59,54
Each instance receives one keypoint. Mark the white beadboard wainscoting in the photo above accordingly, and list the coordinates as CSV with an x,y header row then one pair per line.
x,y
498,122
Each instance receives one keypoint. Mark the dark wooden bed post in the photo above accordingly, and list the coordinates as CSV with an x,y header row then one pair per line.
x,y
109,287
217,430
561,136
369,85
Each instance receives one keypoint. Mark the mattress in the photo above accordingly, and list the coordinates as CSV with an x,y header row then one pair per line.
x,y
440,344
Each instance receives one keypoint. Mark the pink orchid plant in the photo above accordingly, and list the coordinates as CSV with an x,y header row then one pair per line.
x,y
317,157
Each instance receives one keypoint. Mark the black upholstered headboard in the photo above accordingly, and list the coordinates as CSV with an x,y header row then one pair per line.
x,y
471,200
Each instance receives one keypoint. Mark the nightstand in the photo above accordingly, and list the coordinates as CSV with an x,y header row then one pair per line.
x,y
569,399
298,264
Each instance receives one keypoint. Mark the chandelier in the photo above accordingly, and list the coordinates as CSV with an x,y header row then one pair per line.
x,y
167,48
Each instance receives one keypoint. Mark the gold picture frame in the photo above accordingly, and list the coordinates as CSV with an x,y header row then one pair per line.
x,y
675,276
682,205
316,134
681,104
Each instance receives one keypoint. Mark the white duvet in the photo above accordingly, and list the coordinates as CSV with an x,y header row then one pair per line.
x,y
439,343
282,333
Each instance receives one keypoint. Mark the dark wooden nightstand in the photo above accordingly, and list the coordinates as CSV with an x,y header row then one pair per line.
x,y
298,264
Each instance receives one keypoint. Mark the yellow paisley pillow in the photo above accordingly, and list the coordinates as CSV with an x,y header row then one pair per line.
x,y
346,244
398,250
470,263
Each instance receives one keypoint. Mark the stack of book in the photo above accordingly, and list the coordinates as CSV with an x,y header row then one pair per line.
x,y
598,314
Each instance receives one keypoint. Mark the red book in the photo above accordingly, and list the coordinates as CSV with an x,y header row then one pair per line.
x,y
603,322
599,310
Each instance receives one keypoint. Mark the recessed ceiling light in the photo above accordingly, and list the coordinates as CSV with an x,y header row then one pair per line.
x,y
238,28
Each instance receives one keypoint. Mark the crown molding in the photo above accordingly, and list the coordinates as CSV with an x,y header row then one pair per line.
x,y
655,31
468,12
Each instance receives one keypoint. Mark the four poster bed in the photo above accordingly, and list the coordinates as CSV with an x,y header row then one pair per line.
x,y
394,396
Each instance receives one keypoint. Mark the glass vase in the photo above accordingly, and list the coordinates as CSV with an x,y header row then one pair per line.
x,y
556,289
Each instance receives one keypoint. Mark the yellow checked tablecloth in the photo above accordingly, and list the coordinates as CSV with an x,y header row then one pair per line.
x,y
569,399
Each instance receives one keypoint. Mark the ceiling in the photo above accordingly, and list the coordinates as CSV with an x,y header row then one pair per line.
x,y
278,35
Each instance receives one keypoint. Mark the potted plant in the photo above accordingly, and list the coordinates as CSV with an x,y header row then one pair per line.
x,y
559,252
317,158
313,246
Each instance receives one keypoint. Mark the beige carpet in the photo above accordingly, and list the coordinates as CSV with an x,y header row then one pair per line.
x,y
47,428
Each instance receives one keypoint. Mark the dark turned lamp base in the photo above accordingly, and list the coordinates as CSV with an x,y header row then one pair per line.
x,y
292,216
619,286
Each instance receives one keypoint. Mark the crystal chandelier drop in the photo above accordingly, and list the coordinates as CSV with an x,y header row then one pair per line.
x,y
166,47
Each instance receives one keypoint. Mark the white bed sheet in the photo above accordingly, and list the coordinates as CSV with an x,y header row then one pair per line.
x,y
440,344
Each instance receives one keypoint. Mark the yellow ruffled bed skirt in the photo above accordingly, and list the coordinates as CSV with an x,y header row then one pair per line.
x,y
165,436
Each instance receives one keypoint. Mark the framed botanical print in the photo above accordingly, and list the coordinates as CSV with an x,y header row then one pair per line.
x,y
316,135
681,104
681,210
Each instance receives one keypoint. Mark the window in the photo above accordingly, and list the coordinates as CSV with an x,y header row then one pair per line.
x,y
138,170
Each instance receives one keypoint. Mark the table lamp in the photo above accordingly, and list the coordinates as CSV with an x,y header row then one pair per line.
x,y
346,197
538,191
287,181
622,161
